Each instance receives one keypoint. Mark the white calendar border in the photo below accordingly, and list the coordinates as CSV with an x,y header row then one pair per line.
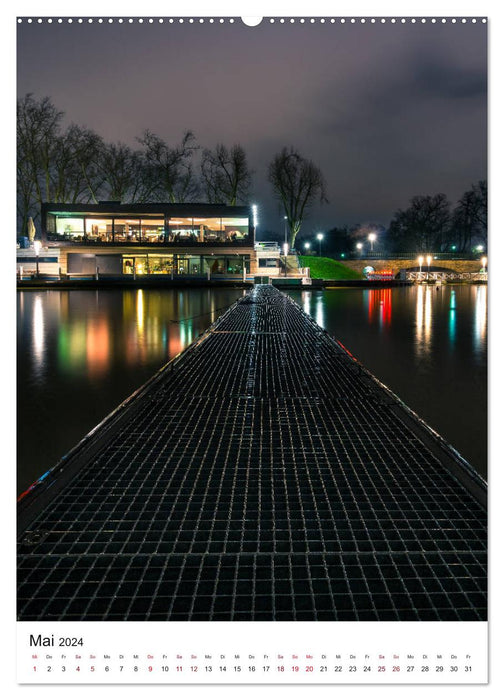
x,y
253,652
258,8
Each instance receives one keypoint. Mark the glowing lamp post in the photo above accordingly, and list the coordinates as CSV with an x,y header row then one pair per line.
x,y
285,251
37,246
285,230
429,260
320,236
372,239
359,247
254,217
484,264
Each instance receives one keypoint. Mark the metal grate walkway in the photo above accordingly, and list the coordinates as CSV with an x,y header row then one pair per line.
x,y
263,475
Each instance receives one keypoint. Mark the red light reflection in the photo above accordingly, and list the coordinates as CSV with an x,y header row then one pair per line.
x,y
380,304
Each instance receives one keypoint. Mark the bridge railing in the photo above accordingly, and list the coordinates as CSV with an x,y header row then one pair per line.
x,y
446,276
383,255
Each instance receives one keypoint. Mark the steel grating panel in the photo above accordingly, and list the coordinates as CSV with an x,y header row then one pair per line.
x,y
263,477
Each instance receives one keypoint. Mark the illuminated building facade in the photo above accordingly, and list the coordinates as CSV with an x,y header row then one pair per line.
x,y
154,238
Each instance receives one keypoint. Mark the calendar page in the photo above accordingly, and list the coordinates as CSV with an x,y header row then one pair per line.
x,y
252,266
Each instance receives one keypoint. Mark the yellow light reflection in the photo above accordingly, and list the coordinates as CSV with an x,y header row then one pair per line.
x,y
212,307
77,344
38,330
140,311
480,317
423,320
419,313
154,335
428,314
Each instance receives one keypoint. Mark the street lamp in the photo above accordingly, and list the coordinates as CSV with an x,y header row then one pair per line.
x,y
429,260
420,261
307,246
37,246
285,251
285,230
320,236
359,247
372,239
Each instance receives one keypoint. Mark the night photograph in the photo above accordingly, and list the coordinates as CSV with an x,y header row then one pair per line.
x,y
251,273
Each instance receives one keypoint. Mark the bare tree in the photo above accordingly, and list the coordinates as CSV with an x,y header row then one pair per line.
x,y
170,169
226,175
75,167
464,221
125,175
86,147
481,193
38,128
297,183
25,195
53,165
469,220
424,226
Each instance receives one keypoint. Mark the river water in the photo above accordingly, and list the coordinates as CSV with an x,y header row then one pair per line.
x,y
80,353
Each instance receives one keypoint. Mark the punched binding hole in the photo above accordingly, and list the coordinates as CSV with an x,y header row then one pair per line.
x,y
251,21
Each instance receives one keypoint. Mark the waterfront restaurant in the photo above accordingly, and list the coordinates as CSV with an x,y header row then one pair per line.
x,y
155,238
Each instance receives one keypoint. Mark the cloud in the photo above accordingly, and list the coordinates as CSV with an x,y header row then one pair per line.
x,y
386,111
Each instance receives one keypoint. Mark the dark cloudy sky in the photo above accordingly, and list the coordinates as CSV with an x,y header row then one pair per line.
x,y
387,111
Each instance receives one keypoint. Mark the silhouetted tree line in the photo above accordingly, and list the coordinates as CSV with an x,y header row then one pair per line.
x,y
429,224
344,239
75,164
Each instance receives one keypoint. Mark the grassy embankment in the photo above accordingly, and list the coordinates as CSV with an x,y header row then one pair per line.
x,y
328,269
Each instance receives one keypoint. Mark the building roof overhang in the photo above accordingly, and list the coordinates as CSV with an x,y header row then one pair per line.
x,y
149,209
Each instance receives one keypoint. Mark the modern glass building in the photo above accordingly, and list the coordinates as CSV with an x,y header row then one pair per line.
x,y
154,238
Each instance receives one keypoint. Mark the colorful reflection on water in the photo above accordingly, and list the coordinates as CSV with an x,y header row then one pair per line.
x,y
427,343
81,353
149,328
38,333
480,319
423,320
379,306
